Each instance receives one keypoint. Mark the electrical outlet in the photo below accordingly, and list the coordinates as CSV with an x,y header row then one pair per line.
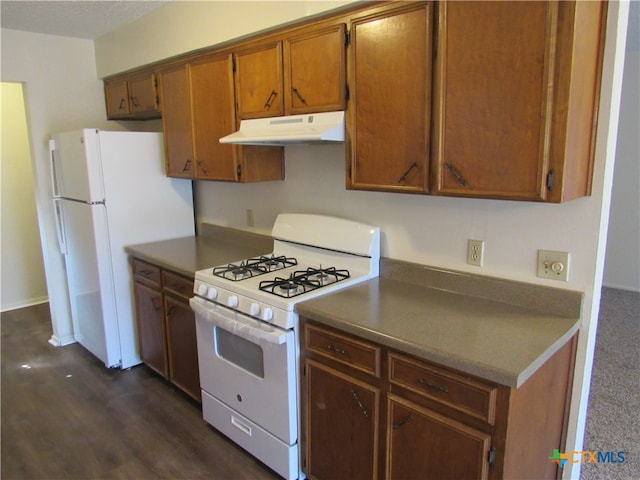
x,y
250,222
554,265
475,252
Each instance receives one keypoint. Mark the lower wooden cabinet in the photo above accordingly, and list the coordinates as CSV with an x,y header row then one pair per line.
x,y
392,416
166,325
341,425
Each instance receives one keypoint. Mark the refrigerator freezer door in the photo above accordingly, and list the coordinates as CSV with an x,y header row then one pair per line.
x,y
77,166
90,279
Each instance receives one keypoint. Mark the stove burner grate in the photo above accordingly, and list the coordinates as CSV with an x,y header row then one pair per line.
x,y
253,267
303,281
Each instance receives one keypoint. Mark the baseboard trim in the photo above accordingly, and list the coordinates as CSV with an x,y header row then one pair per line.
x,y
621,287
24,303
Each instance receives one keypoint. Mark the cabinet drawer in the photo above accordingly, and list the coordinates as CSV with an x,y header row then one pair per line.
x,y
346,350
470,396
177,284
146,272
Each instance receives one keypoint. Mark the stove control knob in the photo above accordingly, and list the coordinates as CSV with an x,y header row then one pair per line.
x,y
202,289
212,293
254,309
232,301
267,314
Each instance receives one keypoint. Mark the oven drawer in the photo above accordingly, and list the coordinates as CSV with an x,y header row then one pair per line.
x,y
278,455
146,272
177,284
346,350
464,394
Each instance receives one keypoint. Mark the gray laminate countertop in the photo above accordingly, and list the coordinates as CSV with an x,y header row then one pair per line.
x,y
494,340
216,246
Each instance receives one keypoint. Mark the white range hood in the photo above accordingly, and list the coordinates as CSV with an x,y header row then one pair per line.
x,y
307,128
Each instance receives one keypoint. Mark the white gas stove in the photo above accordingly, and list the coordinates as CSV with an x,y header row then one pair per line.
x,y
248,345
313,255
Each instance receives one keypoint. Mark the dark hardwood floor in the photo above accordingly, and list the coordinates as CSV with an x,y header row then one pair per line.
x,y
66,416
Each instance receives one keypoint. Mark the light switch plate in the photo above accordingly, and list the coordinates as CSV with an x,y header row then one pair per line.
x,y
553,265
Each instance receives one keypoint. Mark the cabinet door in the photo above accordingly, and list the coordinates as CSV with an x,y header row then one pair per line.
x,y
493,101
176,122
388,118
151,330
182,346
117,99
315,71
143,95
423,444
341,425
259,81
213,116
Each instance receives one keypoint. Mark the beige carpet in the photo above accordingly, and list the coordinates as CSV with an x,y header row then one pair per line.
x,y
613,418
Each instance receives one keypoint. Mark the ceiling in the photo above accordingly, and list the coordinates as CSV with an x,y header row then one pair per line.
x,y
73,18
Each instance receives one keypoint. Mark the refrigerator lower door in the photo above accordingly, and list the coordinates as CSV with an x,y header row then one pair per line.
x,y
90,279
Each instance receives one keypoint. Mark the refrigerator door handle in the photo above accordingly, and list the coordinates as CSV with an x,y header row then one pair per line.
x,y
54,170
59,220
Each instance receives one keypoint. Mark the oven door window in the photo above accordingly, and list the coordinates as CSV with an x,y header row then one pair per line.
x,y
242,353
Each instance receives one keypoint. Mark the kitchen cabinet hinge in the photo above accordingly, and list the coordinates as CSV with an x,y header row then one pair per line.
x,y
491,455
347,37
550,178
239,170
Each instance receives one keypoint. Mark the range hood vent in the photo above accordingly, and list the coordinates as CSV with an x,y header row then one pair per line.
x,y
308,128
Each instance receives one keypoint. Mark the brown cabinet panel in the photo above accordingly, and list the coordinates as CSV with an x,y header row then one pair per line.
x,y
388,119
346,350
423,444
146,272
341,425
470,396
315,71
143,94
494,80
213,116
117,99
182,346
176,122
151,331
259,81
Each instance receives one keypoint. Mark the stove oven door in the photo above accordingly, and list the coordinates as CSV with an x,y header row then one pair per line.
x,y
249,366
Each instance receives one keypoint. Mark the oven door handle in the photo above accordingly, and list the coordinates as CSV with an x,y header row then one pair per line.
x,y
237,323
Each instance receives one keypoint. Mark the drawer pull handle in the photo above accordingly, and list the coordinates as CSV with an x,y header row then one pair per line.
x,y
145,273
396,426
336,349
365,412
425,383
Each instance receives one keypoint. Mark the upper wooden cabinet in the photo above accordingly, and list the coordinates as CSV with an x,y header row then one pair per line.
x,y
304,73
133,97
259,81
198,111
314,67
516,94
388,116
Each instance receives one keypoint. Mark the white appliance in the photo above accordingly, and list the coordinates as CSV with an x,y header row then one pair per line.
x,y
247,329
110,190
291,129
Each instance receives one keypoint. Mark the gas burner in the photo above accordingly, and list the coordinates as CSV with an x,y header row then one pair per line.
x,y
303,281
253,267
324,276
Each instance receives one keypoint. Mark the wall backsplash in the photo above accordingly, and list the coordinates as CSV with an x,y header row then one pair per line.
x,y
423,229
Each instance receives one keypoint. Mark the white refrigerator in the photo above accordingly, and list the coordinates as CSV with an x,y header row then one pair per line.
x,y
110,190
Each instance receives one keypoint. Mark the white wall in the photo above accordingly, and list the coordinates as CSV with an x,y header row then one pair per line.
x,y
62,93
622,265
23,282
